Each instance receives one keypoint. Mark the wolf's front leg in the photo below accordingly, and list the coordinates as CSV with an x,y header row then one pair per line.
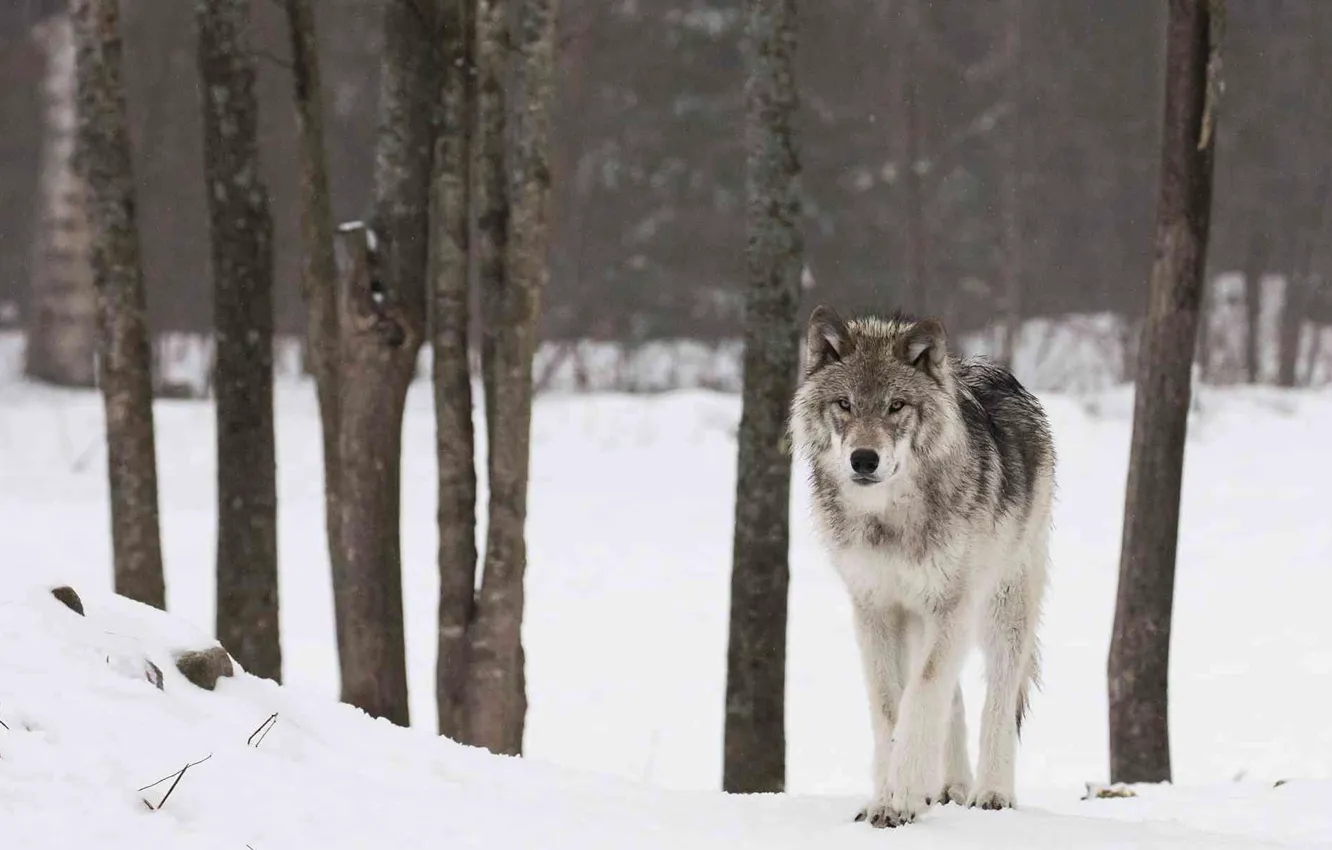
x,y
881,636
916,765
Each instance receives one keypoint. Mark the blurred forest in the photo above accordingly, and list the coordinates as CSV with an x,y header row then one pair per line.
x,y
985,162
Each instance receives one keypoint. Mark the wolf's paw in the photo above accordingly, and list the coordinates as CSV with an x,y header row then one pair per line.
x,y
882,815
896,810
955,792
991,800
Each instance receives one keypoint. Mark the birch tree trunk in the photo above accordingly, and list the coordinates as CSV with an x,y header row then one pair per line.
x,y
455,116
1138,664
755,725
62,311
496,700
383,322
124,358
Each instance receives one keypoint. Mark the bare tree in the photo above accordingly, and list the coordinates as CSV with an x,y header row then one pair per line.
x,y
319,276
241,229
755,726
496,701
1138,664
455,445
124,359
905,94
1011,169
62,309
382,326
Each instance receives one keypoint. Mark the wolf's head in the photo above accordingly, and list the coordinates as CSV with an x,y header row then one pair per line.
x,y
877,398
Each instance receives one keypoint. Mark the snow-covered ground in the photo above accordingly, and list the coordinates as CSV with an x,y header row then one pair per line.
x,y
626,631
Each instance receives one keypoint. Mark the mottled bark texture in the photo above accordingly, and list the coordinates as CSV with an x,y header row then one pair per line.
x,y
1138,664
455,115
496,700
318,272
241,232
755,725
62,307
382,326
124,358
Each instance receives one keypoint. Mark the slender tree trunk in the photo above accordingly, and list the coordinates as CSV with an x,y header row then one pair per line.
x,y
454,443
319,277
755,727
916,296
1256,265
62,311
1138,664
382,327
1011,183
496,687
124,358
241,228
1292,323
492,46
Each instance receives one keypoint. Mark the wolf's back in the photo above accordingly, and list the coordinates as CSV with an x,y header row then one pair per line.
x,y
1007,431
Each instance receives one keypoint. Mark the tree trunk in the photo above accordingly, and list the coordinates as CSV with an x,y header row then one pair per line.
x,y
496,686
1292,324
382,328
241,231
755,726
319,277
1011,185
918,295
454,443
62,311
124,356
1256,265
1138,664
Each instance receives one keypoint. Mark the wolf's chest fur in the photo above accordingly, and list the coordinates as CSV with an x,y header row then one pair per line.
x,y
879,576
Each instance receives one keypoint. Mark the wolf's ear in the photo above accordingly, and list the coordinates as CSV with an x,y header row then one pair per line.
x,y
828,339
925,345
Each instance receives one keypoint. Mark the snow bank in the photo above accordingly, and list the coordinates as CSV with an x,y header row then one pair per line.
x,y
86,734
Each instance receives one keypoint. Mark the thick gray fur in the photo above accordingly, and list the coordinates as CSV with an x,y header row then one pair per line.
x,y
943,545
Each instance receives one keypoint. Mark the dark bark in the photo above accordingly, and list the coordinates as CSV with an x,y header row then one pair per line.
x,y
755,725
1292,324
454,440
1256,261
381,331
102,159
1011,185
496,701
241,230
319,276
1138,664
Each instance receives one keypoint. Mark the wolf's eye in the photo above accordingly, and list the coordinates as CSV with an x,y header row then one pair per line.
x,y
844,404
897,405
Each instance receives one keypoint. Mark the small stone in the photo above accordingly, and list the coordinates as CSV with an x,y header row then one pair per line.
x,y
153,673
66,594
204,668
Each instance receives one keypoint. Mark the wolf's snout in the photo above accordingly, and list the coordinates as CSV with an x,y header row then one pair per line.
x,y
864,461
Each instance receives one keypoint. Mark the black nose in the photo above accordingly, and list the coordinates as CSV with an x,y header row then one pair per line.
x,y
864,461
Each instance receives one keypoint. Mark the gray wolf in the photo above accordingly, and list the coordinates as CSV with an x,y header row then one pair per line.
x,y
933,479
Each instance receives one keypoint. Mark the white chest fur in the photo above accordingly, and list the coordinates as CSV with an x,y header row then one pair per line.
x,y
879,577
